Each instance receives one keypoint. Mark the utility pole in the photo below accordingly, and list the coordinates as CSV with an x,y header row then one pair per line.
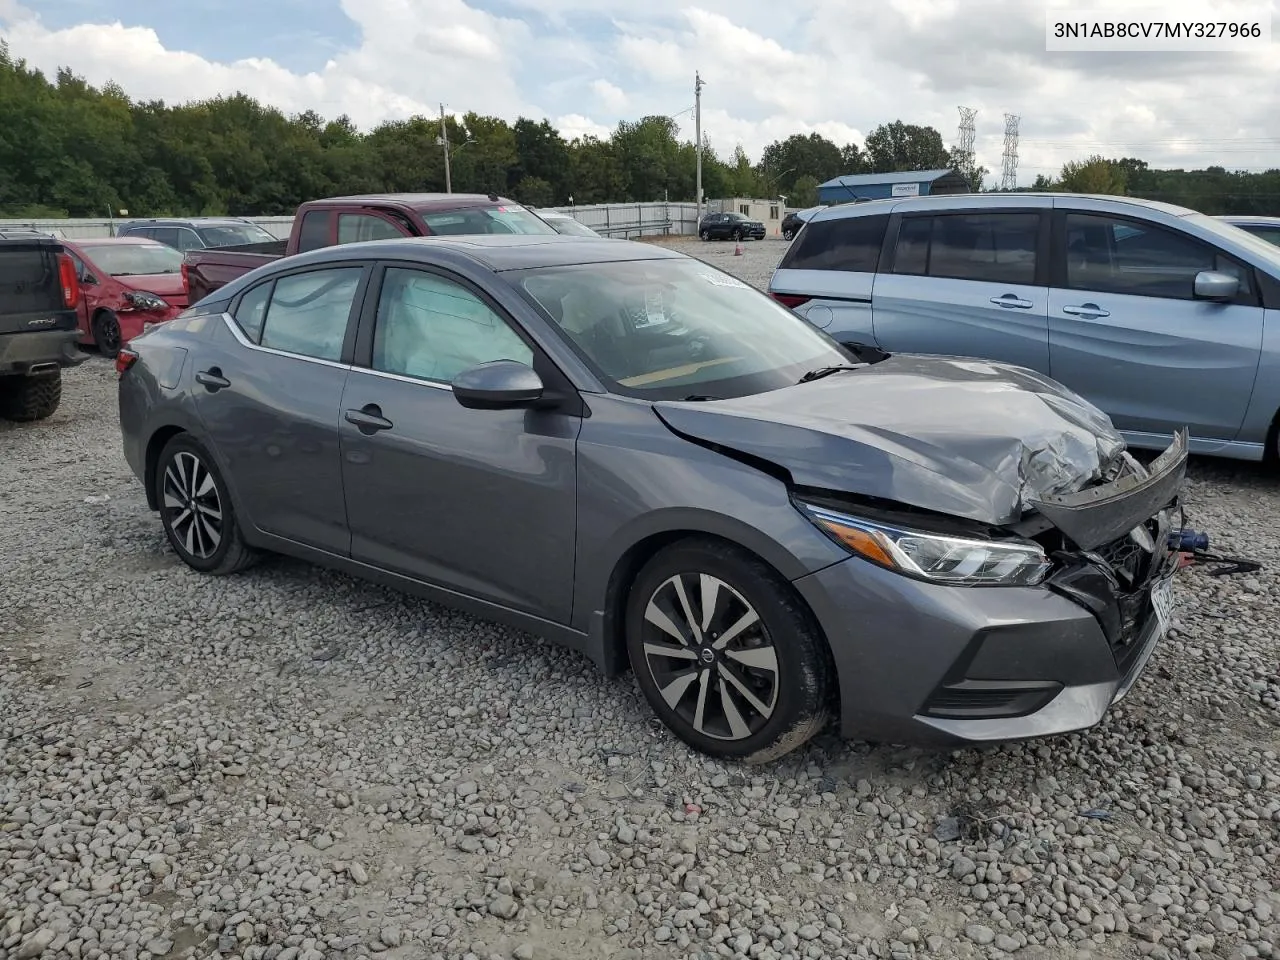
x,y
444,142
697,132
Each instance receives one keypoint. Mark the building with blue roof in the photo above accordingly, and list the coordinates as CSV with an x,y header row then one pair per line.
x,y
883,186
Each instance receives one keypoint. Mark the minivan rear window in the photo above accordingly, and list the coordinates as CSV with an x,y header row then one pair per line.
x,y
847,243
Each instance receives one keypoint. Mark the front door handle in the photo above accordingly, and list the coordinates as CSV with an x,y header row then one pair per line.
x,y
1012,300
1090,311
368,419
212,379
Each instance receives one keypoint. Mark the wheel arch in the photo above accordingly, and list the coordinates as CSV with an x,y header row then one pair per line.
x,y
155,444
609,622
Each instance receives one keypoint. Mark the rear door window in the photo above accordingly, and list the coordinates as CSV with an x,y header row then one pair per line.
x,y
356,227
849,243
309,312
314,230
987,247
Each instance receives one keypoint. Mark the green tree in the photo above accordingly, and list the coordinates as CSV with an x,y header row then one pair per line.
x,y
898,146
1093,175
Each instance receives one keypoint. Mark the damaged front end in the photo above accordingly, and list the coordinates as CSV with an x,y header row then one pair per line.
x,y
1112,550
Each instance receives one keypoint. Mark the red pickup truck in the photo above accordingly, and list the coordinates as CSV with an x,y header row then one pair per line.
x,y
324,223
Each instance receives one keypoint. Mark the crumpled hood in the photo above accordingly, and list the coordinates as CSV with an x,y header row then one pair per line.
x,y
969,438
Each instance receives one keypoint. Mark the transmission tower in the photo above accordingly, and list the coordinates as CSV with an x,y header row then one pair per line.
x,y
964,140
1009,172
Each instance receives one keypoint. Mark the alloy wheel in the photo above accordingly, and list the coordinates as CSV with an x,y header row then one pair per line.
x,y
108,335
710,656
193,509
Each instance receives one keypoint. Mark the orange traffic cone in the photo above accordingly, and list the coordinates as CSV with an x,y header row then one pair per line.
x,y
737,250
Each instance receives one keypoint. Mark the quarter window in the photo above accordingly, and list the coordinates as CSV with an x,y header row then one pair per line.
x,y
988,247
355,227
1108,255
252,310
308,312
849,243
433,329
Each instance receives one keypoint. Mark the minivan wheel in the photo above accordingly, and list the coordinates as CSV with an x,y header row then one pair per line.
x,y
196,509
725,653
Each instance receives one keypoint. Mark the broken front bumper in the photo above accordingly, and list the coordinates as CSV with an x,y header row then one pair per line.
x,y
926,662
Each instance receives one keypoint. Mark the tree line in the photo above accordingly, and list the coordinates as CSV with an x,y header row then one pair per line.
x,y
69,149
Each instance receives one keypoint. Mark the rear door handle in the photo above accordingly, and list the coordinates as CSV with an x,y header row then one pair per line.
x,y
1012,300
1090,311
368,419
213,379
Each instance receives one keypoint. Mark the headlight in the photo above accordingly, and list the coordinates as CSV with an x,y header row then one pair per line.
x,y
959,561
145,301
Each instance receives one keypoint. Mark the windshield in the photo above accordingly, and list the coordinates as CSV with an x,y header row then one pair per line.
x,y
233,234
1268,253
476,220
571,227
134,259
672,329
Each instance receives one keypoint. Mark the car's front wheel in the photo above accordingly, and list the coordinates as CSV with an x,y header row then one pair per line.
x,y
196,509
788,234
705,235
725,652
106,334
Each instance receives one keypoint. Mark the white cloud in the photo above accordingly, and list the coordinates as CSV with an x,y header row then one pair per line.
x,y
771,70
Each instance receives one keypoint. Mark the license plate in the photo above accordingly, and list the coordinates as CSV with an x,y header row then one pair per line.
x,y
1162,601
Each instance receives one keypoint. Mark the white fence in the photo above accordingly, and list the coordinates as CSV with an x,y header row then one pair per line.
x,y
610,219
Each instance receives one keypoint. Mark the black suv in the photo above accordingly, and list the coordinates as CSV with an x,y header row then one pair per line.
x,y
198,233
730,226
39,326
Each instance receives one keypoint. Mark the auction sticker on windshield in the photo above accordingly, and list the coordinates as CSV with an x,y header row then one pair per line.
x,y
723,281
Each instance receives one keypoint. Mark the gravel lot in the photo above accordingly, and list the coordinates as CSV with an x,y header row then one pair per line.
x,y
289,765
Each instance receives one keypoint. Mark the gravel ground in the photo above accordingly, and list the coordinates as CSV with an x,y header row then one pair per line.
x,y
290,765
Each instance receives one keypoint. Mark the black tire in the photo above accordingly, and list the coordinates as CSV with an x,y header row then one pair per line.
x,y
24,399
177,489
736,237
705,235
106,334
788,234
796,692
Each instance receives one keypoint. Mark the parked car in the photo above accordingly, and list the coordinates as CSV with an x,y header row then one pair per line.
x,y
199,233
1162,317
796,219
642,457
342,220
126,283
23,233
569,226
730,226
1268,228
38,298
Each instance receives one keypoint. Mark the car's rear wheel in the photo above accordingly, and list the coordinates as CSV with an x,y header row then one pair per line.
x,y
788,234
106,333
705,235
24,399
737,236
725,652
196,509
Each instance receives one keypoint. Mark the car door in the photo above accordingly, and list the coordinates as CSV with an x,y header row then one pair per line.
x,y
269,390
481,502
970,283
1127,332
88,299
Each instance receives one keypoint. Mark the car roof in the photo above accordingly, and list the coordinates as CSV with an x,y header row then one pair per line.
x,y
974,200
501,252
1249,218
417,201
182,221
117,241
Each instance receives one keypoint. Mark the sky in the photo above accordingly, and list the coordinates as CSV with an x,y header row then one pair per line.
x,y
837,67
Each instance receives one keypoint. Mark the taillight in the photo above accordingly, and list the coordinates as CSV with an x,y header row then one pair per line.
x,y
125,359
68,281
791,300
186,279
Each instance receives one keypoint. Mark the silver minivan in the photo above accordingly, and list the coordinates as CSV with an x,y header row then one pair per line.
x,y
1163,317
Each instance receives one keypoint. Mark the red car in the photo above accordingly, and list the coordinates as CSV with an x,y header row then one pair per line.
x,y
126,282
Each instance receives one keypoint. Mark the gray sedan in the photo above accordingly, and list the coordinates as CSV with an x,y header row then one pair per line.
x,y
634,454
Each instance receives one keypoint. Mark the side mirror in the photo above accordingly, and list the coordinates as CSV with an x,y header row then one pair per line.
x,y
1214,285
497,385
